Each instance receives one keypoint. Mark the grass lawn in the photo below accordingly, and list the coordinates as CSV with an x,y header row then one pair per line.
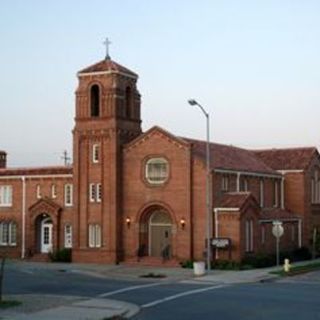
x,y
9,304
298,270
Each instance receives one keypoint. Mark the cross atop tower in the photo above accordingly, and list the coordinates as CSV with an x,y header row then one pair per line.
x,y
107,43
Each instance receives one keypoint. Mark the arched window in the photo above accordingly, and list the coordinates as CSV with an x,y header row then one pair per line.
x,y
95,101
128,103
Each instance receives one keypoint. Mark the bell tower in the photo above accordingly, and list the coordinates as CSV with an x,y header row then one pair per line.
x,y
107,116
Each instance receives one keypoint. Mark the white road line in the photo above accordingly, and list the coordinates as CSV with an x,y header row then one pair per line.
x,y
179,295
142,286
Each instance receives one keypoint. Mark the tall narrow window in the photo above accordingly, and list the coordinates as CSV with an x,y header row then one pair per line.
x,y
12,234
95,153
94,236
249,236
244,185
261,193
225,183
95,101
128,104
68,236
99,192
38,191
5,196
275,194
92,192
68,195
53,191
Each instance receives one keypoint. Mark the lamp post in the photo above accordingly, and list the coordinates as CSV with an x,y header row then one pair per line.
x,y
193,102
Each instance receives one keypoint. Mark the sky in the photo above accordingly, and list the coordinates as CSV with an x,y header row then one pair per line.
x,y
253,65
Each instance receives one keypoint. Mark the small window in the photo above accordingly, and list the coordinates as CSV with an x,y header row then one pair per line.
x,y
92,192
157,170
53,191
38,191
95,153
95,101
68,195
5,196
225,183
293,233
94,236
99,192
68,236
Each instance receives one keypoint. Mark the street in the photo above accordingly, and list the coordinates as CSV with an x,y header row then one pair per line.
x,y
184,299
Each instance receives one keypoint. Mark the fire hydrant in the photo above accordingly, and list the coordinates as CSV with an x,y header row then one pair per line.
x,y
286,265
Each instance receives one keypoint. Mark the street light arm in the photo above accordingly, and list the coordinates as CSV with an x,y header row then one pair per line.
x,y
193,102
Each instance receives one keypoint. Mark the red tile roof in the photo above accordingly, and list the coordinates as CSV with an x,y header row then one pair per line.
x,y
230,157
277,214
36,171
287,159
108,65
234,199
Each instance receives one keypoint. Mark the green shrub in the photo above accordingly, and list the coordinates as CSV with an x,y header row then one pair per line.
x,y
226,265
188,264
300,254
259,260
63,255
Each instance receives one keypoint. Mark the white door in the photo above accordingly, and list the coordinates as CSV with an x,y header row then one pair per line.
x,y
46,236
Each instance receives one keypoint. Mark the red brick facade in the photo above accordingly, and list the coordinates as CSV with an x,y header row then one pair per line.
x,y
132,194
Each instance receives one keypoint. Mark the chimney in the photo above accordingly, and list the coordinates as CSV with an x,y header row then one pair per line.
x,y
3,159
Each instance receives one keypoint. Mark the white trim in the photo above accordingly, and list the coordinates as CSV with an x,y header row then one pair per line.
x,y
36,176
100,73
238,181
226,209
290,171
284,220
95,153
248,173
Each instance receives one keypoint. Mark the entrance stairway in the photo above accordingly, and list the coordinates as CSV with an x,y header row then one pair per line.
x,y
39,257
148,261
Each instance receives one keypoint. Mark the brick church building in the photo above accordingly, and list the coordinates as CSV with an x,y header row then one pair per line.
x,y
132,193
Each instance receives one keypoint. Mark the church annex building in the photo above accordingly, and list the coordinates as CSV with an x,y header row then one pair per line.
x,y
131,193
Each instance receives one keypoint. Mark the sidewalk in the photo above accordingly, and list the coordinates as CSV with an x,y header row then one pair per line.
x,y
92,309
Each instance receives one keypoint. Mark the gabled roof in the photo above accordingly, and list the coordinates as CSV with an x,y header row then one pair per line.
x,y
230,157
152,130
234,199
287,159
2,151
108,65
36,171
277,214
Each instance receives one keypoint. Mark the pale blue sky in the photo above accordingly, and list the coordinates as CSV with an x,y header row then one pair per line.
x,y
254,65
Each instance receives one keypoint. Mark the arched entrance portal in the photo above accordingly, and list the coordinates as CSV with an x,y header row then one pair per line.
x,y
155,236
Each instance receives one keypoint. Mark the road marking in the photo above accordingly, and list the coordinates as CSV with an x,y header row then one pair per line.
x,y
179,295
142,286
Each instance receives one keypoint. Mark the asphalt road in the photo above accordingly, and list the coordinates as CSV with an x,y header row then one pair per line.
x,y
297,297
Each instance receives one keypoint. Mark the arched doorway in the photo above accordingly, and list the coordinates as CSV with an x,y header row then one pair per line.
x,y
160,233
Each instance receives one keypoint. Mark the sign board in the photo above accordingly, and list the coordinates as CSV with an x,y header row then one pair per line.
x,y
221,243
277,229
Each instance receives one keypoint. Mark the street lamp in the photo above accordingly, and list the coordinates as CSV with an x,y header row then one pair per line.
x,y
193,102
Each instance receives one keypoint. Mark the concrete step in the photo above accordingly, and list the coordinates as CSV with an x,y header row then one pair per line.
x,y
39,257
